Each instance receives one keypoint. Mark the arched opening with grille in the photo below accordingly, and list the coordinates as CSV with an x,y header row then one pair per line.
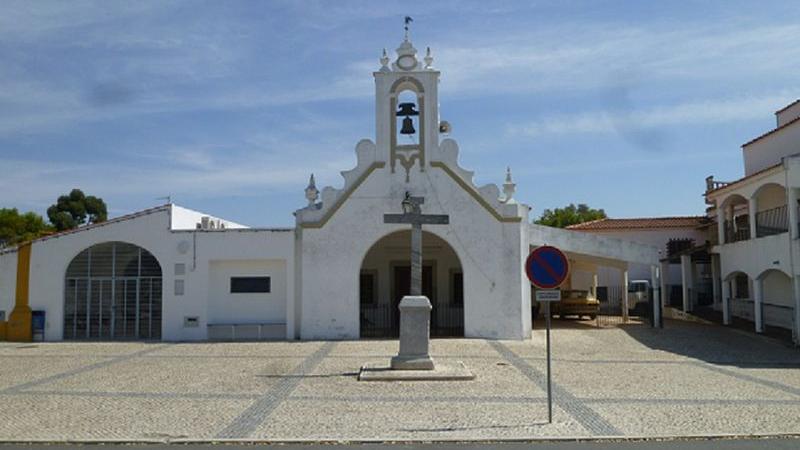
x,y
385,278
113,291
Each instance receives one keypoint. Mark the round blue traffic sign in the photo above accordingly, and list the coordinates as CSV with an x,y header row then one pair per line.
x,y
547,267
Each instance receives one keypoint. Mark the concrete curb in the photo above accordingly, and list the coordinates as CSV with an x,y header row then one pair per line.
x,y
543,439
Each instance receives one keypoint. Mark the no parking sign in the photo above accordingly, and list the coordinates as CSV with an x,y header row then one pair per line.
x,y
547,267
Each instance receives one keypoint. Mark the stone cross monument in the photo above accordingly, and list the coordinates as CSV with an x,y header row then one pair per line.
x,y
415,309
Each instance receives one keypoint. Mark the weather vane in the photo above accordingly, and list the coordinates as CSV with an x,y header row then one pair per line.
x,y
407,21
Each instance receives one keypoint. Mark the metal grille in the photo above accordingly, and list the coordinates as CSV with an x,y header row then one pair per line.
x,y
113,291
772,221
383,320
740,232
611,306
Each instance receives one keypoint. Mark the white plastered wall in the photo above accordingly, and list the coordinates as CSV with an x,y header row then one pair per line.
x,y
496,301
8,281
225,307
769,150
658,238
50,258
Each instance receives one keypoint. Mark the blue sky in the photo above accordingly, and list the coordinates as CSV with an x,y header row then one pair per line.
x,y
228,105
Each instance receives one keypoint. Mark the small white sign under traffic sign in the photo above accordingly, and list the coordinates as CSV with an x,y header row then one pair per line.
x,y
548,295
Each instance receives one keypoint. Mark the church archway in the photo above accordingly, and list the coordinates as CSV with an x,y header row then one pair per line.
x,y
113,291
384,279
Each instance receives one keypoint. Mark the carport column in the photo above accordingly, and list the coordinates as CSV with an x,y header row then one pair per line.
x,y
625,295
656,284
721,225
757,304
796,333
752,207
664,286
726,300
715,278
686,280
595,282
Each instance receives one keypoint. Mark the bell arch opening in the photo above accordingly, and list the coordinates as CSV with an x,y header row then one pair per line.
x,y
113,291
385,277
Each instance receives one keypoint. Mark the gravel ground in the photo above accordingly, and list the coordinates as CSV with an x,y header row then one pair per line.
x,y
685,379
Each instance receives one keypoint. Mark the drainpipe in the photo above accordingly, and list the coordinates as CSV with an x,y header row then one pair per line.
x,y
791,206
19,321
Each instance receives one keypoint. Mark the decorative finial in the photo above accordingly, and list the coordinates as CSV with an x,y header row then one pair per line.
x,y
407,21
312,194
384,61
428,58
509,187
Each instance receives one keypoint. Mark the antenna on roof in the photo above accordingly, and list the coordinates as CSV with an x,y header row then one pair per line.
x,y
167,198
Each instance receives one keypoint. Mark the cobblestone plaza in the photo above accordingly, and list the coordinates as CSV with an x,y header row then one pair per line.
x,y
685,379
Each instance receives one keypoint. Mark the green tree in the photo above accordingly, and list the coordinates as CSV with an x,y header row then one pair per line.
x,y
16,228
570,215
76,209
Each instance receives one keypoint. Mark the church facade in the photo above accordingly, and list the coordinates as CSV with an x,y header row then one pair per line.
x,y
174,274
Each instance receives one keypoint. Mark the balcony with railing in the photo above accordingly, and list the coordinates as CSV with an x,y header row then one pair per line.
x,y
772,221
735,232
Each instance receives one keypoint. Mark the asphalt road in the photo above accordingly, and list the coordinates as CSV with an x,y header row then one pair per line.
x,y
698,444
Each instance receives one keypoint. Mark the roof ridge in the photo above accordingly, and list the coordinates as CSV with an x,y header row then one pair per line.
x,y
787,106
640,222
91,226
774,130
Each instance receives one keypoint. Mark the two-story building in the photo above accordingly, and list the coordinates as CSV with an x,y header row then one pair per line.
x,y
756,258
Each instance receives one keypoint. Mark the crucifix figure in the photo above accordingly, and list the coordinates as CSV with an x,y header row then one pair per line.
x,y
412,214
415,309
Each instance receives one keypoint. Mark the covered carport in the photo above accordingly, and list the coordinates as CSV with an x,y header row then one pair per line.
x,y
591,254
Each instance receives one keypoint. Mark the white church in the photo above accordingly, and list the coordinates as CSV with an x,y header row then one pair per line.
x,y
170,273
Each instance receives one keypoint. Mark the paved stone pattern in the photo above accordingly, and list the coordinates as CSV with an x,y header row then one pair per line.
x,y
685,379
252,417
572,405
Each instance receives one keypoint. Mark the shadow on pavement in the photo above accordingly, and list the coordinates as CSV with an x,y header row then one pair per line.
x,y
715,344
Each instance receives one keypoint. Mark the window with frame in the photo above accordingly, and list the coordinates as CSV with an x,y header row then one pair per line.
x,y
366,288
742,287
457,289
250,285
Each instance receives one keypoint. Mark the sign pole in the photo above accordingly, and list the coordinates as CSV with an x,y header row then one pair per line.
x,y
547,268
549,390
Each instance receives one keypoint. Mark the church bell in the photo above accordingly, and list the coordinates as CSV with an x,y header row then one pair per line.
x,y
408,126
407,110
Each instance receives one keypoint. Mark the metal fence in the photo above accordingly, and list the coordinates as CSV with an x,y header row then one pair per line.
x,y
736,233
383,320
612,306
772,221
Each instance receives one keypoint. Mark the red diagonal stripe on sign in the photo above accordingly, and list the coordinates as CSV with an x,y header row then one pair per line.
x,y
546,266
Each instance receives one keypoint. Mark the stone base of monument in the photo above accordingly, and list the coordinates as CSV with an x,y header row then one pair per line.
x,y
455,371
413,361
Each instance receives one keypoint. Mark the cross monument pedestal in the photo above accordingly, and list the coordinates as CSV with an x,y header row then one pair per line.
x,y
415,328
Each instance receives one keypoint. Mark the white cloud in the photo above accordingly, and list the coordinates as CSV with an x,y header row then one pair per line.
x,y
584,57
705,112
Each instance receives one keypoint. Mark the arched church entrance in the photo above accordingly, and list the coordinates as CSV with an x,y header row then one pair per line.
x,y
385,278
113,291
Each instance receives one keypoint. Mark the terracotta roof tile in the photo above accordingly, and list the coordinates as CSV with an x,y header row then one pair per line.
x,y
640,223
